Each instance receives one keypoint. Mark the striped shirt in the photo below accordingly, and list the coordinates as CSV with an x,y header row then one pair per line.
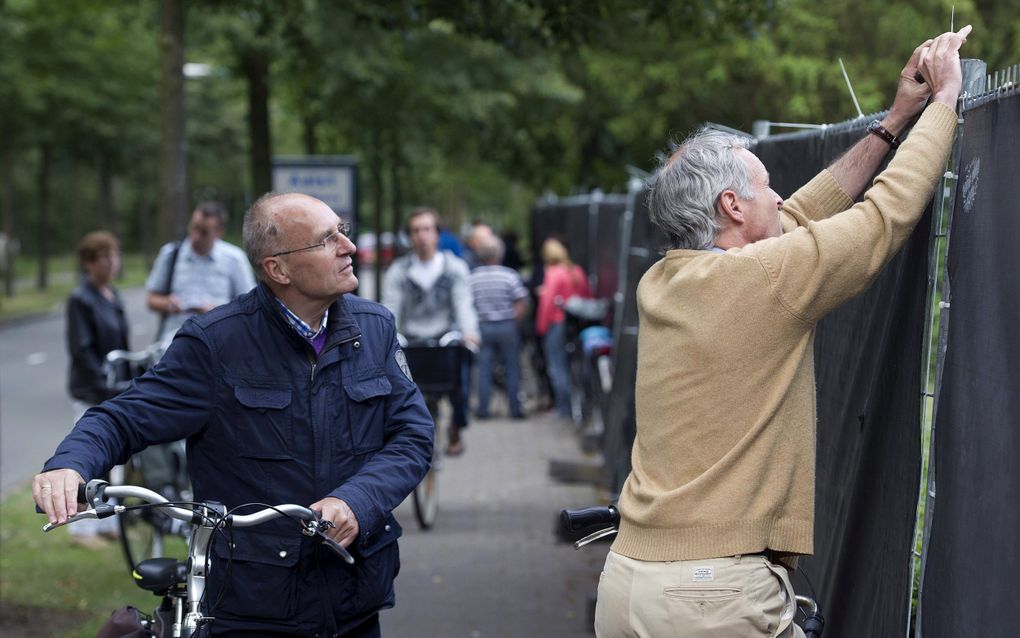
x,y
496,289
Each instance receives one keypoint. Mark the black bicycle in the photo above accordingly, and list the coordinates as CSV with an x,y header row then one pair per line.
x,y
183,610
436,367
594,523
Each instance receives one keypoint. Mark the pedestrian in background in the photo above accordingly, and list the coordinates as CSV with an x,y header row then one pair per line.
x,y
95,325
428,293
500,299
563,280
194,276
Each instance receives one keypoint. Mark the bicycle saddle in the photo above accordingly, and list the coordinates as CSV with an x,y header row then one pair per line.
x,y
160,575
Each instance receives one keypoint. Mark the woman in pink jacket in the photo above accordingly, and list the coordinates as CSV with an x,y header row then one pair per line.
x,y
563,280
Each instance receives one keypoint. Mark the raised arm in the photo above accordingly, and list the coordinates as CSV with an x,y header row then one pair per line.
x,y
943,81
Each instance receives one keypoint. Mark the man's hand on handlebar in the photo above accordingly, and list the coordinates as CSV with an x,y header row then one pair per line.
x,y
56,494
345,523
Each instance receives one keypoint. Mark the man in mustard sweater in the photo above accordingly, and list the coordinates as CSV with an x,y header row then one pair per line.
x,y
720,500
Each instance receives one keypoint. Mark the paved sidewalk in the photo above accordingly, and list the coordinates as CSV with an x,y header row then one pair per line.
x,y
492,566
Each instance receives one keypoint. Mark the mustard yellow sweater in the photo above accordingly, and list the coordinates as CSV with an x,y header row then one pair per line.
x,y
724,459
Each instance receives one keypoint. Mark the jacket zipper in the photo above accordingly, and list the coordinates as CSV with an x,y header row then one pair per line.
x,y
314,359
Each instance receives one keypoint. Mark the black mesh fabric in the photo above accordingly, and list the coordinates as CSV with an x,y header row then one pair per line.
x,y
971,582
868,373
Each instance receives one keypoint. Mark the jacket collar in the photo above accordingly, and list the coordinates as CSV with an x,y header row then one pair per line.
x,y
340,325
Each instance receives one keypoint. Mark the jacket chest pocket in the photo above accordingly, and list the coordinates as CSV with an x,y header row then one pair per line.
x,y
263,422
256,575
367,411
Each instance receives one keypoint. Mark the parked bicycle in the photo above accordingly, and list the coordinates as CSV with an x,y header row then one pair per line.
x,y
184,608
436,367
149,532
589,345
595,523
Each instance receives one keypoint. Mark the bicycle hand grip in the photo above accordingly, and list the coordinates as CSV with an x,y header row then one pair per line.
x,y
81,498
338,549
577,520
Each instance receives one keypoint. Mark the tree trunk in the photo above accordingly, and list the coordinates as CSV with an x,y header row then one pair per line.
x,y
173,160
104,197
255,64
74,192
7,211
376,164
43,185
396,185
310,125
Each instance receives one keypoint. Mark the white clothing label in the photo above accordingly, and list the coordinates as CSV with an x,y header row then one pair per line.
x,y
703,574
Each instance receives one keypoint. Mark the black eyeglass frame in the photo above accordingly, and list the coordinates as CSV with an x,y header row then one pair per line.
x,y
343,228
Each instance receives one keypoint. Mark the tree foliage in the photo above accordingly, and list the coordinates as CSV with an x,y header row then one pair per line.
x,y
474,107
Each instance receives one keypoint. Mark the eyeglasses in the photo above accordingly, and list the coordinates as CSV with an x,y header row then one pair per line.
x,y
329,241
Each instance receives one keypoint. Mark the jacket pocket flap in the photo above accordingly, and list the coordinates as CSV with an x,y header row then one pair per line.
x,y
366,389
266,549
265,398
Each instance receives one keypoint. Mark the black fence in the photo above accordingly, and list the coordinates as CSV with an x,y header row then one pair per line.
x,y
871,360
971,584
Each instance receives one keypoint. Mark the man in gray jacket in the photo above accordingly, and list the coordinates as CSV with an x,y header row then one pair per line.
x,y
429,294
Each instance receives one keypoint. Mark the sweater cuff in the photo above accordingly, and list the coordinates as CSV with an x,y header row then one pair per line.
x,y
938,115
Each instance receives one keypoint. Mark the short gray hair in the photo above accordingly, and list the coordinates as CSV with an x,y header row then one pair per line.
x,y
490,249
686,188
260,232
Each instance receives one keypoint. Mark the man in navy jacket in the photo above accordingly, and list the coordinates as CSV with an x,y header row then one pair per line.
x,y
294,392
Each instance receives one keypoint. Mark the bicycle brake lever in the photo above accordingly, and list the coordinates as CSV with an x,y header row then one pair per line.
x,y
337,548
80,516
594,536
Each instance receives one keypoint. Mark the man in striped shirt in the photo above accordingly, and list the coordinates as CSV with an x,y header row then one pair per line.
x,y
499,299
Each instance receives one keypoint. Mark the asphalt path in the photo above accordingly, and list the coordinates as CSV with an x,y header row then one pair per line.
x,y
35,409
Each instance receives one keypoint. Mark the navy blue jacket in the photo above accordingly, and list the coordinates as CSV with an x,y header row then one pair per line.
x,y
267,421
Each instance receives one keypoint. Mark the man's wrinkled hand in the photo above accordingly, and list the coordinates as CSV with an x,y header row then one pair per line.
x,y
345,523
911,95
939,64
56,494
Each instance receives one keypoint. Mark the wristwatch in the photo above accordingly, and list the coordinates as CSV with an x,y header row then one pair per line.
x,y
876,128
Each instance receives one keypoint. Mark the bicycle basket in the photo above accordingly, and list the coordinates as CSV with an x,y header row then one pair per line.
x,y
435,369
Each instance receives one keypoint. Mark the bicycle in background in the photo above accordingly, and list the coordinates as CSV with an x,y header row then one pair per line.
x,y
149,532
589,347
436,366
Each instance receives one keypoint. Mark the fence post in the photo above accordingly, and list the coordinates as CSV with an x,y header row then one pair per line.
x,y
974,72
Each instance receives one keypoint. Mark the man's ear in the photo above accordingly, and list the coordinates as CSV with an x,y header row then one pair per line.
x,y
730,207
275,270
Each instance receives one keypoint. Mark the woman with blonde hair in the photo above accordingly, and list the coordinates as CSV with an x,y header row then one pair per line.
x,y
563,280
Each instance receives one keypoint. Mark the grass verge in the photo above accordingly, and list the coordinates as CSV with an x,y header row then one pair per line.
x,y
44,578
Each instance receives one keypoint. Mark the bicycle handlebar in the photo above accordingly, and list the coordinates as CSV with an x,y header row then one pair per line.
x,y
577,520
97,491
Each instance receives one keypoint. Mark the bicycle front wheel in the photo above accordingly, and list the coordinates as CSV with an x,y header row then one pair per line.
x,y
140,537
426,500
426,494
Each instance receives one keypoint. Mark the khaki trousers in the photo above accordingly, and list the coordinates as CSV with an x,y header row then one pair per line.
x,y
736,596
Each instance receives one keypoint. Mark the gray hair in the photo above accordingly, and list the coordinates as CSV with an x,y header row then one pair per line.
x,y
260,232
490,249
686,188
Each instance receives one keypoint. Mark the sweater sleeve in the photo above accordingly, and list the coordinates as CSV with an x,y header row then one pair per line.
x,y
819,199
822,264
